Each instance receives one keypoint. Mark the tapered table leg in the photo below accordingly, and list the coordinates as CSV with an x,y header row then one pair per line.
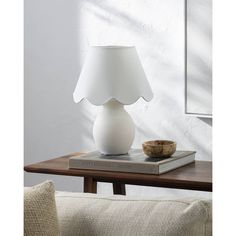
x,y
90,185
119,188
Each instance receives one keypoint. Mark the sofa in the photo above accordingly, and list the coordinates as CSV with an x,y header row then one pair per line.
x,y
99,215
53,213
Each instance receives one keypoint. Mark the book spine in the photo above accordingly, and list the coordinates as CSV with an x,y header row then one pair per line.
x,y
113,166
165,167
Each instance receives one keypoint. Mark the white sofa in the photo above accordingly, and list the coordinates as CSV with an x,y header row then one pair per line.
x,y
99,215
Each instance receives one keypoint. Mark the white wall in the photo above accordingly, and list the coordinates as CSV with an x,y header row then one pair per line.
x,y
57,34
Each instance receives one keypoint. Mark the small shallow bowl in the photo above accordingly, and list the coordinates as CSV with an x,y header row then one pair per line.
x,y
159,148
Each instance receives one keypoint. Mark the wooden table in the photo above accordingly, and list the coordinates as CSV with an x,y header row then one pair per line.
x,y
194,176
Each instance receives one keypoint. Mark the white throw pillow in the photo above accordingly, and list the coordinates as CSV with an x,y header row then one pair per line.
x,y
40,215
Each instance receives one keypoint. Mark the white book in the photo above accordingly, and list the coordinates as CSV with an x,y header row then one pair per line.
x,y
134,162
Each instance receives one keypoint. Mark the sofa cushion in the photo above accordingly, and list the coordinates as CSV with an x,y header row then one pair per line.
x,y
40,215
90,214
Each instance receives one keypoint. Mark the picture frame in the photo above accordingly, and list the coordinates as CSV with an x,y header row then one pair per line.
x,y
198,56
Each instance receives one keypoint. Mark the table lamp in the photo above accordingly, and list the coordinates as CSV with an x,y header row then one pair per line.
x,y
112,76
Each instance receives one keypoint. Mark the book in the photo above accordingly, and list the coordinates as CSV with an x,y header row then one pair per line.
x,y
133,162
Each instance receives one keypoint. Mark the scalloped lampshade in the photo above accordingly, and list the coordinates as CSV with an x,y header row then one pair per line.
x,y
112,76
112,72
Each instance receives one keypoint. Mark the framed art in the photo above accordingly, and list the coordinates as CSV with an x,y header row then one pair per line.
x,y
198,58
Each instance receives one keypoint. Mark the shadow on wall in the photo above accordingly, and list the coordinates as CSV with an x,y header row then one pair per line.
x,y
124,19
54,124
206,120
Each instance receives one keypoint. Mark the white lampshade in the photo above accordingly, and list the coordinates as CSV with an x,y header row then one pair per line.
x,y
112,72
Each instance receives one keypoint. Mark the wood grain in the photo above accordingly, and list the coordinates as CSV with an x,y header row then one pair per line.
x,y
195,176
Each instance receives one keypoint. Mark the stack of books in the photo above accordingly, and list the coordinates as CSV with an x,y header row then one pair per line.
x,y
133,162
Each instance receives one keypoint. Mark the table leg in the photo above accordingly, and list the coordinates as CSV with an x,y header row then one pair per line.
x,y
119,188
90,185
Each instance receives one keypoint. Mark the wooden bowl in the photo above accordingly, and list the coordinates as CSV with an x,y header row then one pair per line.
x,y
159,148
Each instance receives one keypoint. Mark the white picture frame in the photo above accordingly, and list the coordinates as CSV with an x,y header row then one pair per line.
x,y
198,58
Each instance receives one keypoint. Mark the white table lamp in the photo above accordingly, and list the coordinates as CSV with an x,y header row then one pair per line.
x,y
112,76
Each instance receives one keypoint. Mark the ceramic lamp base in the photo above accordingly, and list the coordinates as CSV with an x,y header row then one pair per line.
x,y
113,129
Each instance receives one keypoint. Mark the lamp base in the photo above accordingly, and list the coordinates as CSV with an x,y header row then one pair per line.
x,y
113,129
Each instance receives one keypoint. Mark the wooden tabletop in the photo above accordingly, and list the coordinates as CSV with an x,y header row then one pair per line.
x,y
194,176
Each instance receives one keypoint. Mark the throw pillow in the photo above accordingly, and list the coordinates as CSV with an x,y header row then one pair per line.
x,y
40,215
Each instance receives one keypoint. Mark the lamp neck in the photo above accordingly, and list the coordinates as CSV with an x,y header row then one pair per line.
x,y
113,105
